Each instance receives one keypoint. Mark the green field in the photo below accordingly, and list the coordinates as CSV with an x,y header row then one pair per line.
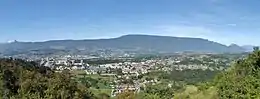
x,y
101,91
98,84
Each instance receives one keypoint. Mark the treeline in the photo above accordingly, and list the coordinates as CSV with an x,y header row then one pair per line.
x,y
26,80
192,76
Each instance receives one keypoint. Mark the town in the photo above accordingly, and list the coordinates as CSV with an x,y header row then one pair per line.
x,y
118,75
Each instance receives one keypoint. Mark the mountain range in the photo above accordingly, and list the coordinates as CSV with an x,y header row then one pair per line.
x,y
148,43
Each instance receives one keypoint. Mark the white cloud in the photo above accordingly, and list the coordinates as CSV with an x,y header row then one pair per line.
x,y
231,24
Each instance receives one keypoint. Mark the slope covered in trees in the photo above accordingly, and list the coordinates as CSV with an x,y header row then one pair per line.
x,y
241,81
25,80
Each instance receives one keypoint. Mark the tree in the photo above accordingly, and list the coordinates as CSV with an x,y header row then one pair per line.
x,y
242,81
256,48
26,80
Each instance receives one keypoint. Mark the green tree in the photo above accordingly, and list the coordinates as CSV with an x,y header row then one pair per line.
x,y
242,80
26,80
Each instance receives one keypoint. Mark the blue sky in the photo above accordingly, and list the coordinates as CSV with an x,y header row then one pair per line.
x,y
224,21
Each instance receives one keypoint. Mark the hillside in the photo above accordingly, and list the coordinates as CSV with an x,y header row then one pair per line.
x,y
145,43
26,80
241,81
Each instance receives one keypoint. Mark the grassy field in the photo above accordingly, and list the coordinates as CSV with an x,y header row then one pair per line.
x,y
100,91
192,92
99,84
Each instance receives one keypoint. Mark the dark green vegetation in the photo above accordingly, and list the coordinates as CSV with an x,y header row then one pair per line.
x,y
24,80
128,43
241,81
192,76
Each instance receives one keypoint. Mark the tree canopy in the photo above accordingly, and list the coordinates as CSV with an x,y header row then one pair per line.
x,y
240,81
26,80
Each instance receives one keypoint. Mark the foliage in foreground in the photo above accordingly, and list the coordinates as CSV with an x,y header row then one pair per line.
x,y
241,81
26,80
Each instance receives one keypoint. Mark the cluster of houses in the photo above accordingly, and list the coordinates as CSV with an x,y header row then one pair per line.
x,y
64,63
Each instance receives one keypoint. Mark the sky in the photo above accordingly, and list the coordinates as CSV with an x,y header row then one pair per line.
x,y
223,21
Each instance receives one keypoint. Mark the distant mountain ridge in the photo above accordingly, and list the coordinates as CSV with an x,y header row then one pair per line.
x,y
162,44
